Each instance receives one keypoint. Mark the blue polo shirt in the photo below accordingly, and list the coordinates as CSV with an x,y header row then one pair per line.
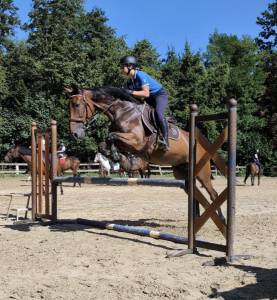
x,y
141,79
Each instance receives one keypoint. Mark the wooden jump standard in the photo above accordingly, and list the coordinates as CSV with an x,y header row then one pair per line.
x,y
42,200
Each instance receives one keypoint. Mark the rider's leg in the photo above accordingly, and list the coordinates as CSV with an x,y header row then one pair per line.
x,y
161,103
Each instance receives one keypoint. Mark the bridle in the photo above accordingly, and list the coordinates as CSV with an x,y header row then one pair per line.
x,y
88,109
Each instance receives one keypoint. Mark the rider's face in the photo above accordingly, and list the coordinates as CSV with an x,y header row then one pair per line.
x,y
124,69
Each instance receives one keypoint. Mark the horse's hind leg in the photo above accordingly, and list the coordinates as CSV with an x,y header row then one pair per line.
x,y
61,188
252,179
246,177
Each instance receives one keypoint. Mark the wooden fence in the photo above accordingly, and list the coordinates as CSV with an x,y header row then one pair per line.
x,y
20,168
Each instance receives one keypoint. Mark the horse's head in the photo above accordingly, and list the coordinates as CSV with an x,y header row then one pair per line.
x,y
97,157
11,154
82,109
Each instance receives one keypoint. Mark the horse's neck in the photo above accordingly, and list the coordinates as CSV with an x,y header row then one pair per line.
x,y
26,158
114,109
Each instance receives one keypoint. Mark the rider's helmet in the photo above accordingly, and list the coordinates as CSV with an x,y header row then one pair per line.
x,y
128,60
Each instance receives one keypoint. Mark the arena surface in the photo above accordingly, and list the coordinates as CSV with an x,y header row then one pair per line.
x,y
78,262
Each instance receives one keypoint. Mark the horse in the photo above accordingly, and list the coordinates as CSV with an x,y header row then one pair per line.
x,y
252,169
104,164
132,131
132,164
24,153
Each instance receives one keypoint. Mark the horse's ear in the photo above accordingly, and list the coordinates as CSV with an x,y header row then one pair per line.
x,y
68,91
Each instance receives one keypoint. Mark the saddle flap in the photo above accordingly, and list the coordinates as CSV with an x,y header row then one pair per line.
x,y
149,121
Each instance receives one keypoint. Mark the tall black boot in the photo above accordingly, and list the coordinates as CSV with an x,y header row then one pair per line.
x,y
164,129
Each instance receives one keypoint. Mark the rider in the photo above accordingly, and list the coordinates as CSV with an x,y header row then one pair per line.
x,y
256,159
61,150
140,84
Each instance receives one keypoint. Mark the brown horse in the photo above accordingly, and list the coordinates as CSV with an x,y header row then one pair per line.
x,y
252,169
25,154
132,164
129,131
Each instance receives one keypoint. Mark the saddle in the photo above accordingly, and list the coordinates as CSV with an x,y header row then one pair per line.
x,y
151,127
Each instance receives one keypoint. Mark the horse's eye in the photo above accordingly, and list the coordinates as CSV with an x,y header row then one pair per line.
x,y
77,105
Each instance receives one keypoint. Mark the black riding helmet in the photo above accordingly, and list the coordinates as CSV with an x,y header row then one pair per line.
x,y
128,60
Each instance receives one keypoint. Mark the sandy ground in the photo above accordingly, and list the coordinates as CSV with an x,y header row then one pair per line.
x,y
78,262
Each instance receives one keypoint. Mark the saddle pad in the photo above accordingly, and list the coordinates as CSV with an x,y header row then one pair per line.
x,y
62,161
173,131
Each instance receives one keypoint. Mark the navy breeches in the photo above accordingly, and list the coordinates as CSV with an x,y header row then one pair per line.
x,y
159,101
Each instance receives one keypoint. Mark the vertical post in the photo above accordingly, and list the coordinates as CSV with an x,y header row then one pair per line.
x,y
40,165
54,166
46,173
231,200
16,169
34,170
191,178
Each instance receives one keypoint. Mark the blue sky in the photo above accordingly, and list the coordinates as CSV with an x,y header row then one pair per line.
x,y
170,23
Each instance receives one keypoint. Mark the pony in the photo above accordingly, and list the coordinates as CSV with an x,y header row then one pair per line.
x,y
25,154
132,130
104,164
252,169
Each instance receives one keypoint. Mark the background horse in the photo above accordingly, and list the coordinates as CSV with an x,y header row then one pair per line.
x,y
133,131
129,163
25,154
104,164
252,169
132,164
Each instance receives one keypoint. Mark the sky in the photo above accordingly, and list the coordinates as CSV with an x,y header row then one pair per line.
x,y
170,23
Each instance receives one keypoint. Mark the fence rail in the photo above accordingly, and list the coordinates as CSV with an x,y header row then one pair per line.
x,y
20,168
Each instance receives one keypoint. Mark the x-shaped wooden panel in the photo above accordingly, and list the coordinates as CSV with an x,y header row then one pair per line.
x,y
211,153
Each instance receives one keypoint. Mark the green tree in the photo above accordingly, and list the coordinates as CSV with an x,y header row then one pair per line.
x,y
9,19
267,41
189,85
245,82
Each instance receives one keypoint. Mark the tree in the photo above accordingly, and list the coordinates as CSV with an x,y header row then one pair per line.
x,y
245,83
189,85
267,41
9,19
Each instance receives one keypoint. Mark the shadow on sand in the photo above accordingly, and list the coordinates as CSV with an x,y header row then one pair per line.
x,y
264,288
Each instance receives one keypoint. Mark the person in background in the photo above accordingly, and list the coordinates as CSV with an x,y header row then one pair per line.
x,y
256,159
142,85
61,150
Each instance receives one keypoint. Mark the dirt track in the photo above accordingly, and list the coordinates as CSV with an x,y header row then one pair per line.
x,y
77,262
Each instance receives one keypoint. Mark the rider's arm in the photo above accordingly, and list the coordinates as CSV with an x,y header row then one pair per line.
x,y
144,92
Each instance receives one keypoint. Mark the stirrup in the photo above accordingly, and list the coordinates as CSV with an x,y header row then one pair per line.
x,y
162,144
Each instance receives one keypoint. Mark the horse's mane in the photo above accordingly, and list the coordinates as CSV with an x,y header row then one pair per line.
x,y
115,92
24,150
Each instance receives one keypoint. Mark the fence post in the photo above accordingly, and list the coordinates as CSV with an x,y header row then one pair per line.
x,y
34,171
191,178
54,163
231,203
16,169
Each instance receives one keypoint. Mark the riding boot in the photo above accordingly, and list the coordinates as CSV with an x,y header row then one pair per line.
x,y
164,144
